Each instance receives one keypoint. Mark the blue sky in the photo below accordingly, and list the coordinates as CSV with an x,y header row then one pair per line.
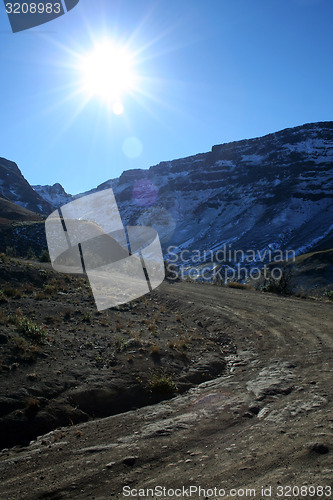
x,y
207,72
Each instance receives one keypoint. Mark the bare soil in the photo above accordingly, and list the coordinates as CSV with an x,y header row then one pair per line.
x,y
84,364
260,416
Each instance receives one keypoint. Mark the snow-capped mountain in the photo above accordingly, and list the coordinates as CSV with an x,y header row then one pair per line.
x,y
272,192
55,195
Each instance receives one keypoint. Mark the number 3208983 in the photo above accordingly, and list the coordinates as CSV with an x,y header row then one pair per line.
x,y
33,8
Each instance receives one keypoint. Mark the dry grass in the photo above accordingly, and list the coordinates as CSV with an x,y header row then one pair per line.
x,y
238,286
23,350
14,293
155,351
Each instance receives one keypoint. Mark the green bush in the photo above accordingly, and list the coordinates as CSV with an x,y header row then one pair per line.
x,y
329,294
162,384
87,317
30,329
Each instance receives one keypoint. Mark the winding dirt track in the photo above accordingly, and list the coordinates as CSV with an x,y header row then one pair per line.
x,y
253,427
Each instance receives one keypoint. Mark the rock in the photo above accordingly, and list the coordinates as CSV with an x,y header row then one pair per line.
x,y
208,367
7,405
254,408
111,464
272,380
130,461
318,447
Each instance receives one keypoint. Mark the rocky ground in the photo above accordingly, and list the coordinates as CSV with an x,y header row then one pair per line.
x,y
246,380
62,362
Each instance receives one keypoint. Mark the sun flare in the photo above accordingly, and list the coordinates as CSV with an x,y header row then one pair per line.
x,y
107,72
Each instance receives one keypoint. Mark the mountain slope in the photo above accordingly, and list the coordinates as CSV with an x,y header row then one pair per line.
x,y
14,187
55,195
315,267
310,273
273,192
10,212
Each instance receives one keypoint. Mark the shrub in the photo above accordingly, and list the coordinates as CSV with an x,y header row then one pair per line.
x,y
155,351
280,286
11,251
30,329
32,406
49,289
28,288
181,344
162,384
301,293
171,272
32,403
31,254
152,326
12,292
87,317
25,352
120,344
329,294
118,324
44,256
238,286
40,295
99,360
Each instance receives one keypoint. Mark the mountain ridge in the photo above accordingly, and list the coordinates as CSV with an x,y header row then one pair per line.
x,y
15,188
274,191
142,171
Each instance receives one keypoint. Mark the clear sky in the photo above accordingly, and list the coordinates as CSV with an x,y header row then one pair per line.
x,y
201,72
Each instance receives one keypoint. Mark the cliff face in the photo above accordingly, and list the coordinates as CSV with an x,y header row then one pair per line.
x,y
272,192
54,195
15,188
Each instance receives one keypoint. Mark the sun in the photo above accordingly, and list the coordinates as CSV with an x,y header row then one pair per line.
x,y
108,73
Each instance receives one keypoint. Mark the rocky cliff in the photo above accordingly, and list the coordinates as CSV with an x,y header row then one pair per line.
x,y
272,192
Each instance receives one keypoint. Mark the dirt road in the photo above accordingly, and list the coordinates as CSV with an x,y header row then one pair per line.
x,y
267,423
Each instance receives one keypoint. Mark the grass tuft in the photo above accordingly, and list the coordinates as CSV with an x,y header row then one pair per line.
x,y
162,384
30,329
